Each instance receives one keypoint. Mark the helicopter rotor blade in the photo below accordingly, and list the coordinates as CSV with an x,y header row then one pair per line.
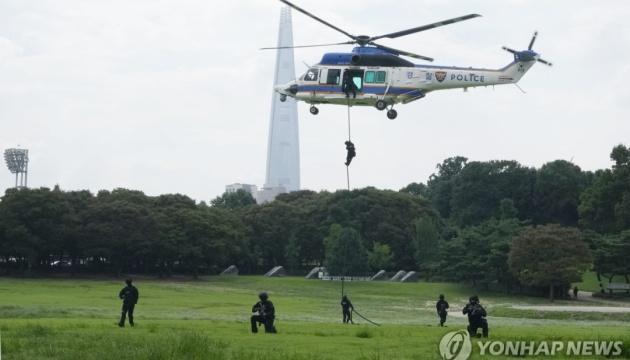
x,y
424,27
306,46
401,52
318,19
531,43
545,62
509,50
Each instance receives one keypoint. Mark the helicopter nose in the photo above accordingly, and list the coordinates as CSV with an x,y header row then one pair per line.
x,y
280,89
290,88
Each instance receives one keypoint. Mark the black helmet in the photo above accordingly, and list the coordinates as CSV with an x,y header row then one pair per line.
x,y
475,298
128,282
263,296
441,296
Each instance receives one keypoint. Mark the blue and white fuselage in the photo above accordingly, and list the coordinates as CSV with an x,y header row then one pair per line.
x,y
381,79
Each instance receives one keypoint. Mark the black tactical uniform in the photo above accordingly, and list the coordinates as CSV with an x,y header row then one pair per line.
x,y
129,295
476,317
442,309
351,152
346,307
348,86
265,314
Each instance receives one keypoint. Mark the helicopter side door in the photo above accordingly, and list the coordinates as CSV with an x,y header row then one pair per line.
x,y
353,78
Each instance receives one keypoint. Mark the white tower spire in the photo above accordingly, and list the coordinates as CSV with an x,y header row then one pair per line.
x,y
283,147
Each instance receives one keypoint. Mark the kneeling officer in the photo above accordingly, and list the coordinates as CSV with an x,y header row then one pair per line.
x,y
476,317
264,313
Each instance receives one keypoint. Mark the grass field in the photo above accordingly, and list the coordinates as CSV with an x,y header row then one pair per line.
x,y
209,319
589,282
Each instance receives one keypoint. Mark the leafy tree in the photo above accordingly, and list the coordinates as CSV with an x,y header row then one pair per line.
x,y
507,210
610,257
418,189
380,258
550,256
292,254
478,189
75,240
427,243
605,205
270,227
118,226
440,185
345,253
478,254
557,193
34,225
234,200
621,156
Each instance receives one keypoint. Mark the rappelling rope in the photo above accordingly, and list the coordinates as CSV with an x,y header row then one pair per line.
x,y
349,139
364,318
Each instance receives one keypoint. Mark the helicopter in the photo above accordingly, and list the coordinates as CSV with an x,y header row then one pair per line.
x,y
376,75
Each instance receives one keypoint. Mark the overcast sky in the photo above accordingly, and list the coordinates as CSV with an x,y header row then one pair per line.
x,y
174,96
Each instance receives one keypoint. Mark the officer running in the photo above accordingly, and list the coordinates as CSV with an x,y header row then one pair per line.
x,y
265,314
347,308
442,309
476,317
129,295
351,152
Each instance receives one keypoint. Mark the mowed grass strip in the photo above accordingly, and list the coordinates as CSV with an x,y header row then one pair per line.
x,y
208,319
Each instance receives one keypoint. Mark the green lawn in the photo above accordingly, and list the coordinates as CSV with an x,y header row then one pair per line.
x,y
589,282
208,319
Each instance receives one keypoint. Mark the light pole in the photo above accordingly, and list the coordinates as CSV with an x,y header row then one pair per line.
x,y
17,162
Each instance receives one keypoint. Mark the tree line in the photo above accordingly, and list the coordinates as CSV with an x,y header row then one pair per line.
x,y
472,221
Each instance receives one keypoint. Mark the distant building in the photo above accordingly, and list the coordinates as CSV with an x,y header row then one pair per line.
x,y
232,188
268,194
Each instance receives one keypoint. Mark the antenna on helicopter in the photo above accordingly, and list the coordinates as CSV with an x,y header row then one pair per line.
x,y
518,87
363,40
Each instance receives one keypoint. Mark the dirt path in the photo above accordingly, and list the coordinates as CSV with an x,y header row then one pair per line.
x,y
569,308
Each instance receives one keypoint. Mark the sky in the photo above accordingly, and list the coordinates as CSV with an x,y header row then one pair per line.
x,y
174,96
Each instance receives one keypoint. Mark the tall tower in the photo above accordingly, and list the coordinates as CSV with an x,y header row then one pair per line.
x,y
283,146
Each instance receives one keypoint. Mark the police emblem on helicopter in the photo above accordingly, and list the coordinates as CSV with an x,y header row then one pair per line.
x,y
440,75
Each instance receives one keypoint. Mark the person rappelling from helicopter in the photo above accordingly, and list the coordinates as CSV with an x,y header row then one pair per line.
x,y
351,153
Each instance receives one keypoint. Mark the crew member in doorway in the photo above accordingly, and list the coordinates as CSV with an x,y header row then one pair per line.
x,y
348,86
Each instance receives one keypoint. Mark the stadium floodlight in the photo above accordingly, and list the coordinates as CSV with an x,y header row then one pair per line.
x,y
17,162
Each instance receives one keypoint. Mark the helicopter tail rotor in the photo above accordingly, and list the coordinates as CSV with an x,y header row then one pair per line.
x,y
529,54
531,43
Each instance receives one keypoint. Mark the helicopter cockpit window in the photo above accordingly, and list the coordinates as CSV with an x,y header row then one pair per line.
x,y
333,76
311,75
375,77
